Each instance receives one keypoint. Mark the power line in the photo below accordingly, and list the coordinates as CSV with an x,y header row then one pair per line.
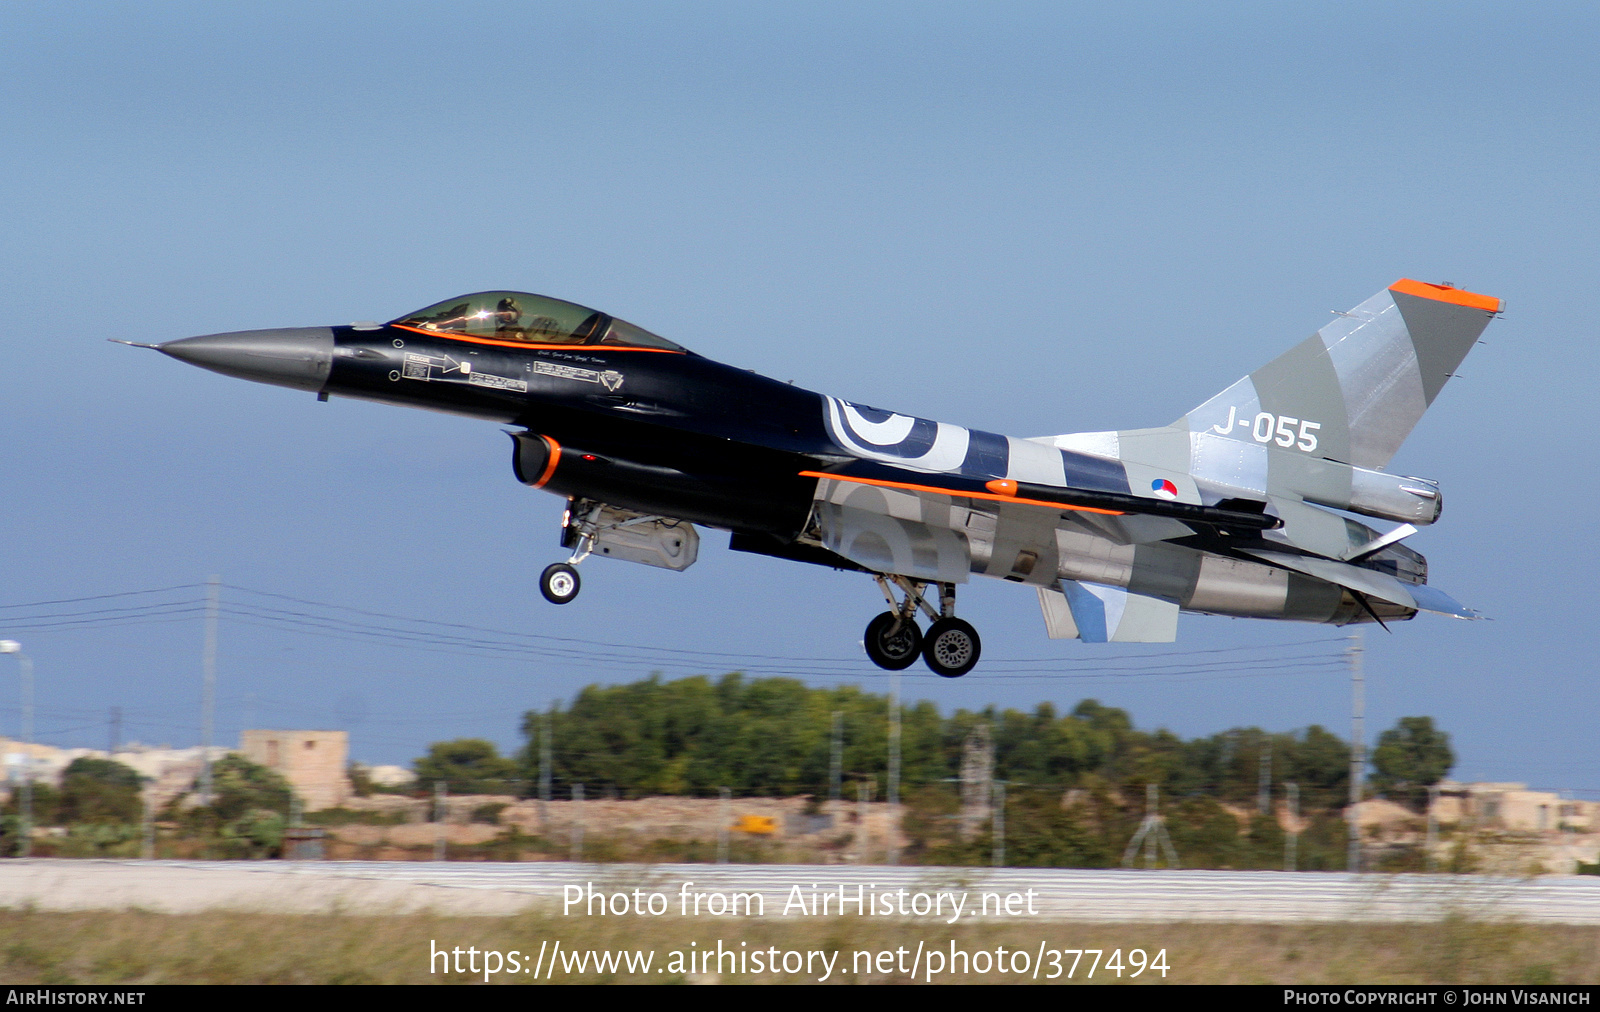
x,y
102,597
464,639
583,646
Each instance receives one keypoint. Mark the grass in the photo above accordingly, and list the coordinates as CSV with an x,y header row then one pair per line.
x,y
134,947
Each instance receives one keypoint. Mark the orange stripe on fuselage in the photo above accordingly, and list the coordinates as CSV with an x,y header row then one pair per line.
x,y
1444,293
453,336
958,494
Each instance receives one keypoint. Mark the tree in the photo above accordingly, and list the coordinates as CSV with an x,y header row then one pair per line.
x,y
1321,766
466,766
360,776
248,811
240,787
1411,757
99,790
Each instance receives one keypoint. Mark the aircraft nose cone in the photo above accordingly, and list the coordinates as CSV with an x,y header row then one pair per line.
x,y
298,357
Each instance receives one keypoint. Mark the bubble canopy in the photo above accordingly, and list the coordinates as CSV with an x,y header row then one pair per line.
x,y
524,318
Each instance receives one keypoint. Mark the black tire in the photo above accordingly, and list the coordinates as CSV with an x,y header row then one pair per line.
x,y
895,651
951,647
559,583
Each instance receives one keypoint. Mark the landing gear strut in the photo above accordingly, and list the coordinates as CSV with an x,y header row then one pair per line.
x,y
559,582
950,647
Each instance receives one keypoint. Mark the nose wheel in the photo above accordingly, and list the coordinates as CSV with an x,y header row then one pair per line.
x,y
893,640
559,583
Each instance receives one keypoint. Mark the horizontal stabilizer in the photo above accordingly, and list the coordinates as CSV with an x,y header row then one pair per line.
x,y
1098,614
1371,583
1437,601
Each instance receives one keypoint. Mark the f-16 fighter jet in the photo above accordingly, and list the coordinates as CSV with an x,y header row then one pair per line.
x,y
1241,507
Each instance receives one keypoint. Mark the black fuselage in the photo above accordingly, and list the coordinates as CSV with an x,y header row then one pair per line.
x,y
664,432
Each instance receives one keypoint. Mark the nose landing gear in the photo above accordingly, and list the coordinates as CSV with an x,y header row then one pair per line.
x,y
559,583
950,647
590,528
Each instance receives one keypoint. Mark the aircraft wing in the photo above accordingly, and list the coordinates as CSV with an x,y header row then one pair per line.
x,y
935,526
941,527
931,525
1052,497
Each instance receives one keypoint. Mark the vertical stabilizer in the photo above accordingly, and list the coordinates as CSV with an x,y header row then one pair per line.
x,y
1355,389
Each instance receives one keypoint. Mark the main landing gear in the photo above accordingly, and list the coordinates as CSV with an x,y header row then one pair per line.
x,y
950,647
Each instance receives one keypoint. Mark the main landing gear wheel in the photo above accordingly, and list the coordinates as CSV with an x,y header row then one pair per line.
x,y
559,583
951,647
893,648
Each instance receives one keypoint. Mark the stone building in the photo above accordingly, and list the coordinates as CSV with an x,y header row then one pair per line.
x,y
314,762
1513,807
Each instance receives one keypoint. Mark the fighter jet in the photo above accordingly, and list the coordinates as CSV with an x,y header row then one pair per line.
x,y
1243,507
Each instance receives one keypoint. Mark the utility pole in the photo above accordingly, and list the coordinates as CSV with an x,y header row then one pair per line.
x,y
147,831
27,744
25,669
861,822
1152,832
1291,840
722,825
545,722
1358,757
999,823
441,794
116,731
577,822
977,776
14,771
1264,792
836,759
1433,827
1223,760
208,695
894,763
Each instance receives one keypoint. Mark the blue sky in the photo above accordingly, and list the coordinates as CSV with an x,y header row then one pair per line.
x,y
1030,219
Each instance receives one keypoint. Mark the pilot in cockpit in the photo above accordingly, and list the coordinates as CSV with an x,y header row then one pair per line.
x,y
507,315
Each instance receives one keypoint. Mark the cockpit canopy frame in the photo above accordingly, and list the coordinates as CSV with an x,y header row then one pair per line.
x,y
522,318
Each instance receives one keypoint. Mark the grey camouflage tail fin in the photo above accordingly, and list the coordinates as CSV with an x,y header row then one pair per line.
x,y
1354,390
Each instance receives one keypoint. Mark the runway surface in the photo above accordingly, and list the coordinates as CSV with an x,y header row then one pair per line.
x,y
1058,894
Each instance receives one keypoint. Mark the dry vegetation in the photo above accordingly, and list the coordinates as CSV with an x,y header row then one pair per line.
x,y
235,948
